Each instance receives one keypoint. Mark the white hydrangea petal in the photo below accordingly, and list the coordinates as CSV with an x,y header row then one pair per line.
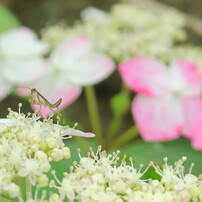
x,y
6,86
23,72
92,14
79,64
74,132
65,55
21,42
91,70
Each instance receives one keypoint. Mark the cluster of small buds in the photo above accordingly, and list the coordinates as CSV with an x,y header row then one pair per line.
x,y
7,187
27,146
186,185
122,38
101,176
189,52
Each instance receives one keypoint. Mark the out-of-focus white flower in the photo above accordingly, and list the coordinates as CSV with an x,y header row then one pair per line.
x,y
94,14
73,64
127,30
188,52
21,58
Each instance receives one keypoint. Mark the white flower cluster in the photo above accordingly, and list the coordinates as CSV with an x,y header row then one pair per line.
x,y
27,146
127,30
101,177
189,52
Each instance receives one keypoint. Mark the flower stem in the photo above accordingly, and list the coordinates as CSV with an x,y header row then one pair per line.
x,y
116,123
114,127
93,112
28,189
126,137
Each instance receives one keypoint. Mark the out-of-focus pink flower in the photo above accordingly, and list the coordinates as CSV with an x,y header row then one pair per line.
x,y
168,102
73,64
20,58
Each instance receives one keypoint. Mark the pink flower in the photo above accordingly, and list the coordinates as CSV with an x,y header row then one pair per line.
x,y
73,64
168,102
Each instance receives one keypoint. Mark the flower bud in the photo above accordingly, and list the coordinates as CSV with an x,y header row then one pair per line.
x,y
66,153
42,181
51,142
57,154
13,190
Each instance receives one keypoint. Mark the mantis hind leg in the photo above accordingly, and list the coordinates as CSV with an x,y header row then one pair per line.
x,y
40,103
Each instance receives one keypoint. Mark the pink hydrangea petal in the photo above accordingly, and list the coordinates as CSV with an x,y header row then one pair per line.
x,y
191,75
144,75
158,118
21,42
197,141
23,91
24,72
91,70
74,132
68,94
192,116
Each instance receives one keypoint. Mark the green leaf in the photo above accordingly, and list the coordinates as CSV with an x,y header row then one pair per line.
x,y
120,103
144,152
8,20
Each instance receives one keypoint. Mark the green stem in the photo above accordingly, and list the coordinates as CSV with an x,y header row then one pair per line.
x,y
125,89
93,112
114,127
28,189
2,199
116,123
126,137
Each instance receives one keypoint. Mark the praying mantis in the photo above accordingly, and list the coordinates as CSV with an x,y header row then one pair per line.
x,y
42,101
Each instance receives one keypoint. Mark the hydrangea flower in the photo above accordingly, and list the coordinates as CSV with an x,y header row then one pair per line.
x,y
168,102
72,64
99,177
20,58
28,145
106,177
115,34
